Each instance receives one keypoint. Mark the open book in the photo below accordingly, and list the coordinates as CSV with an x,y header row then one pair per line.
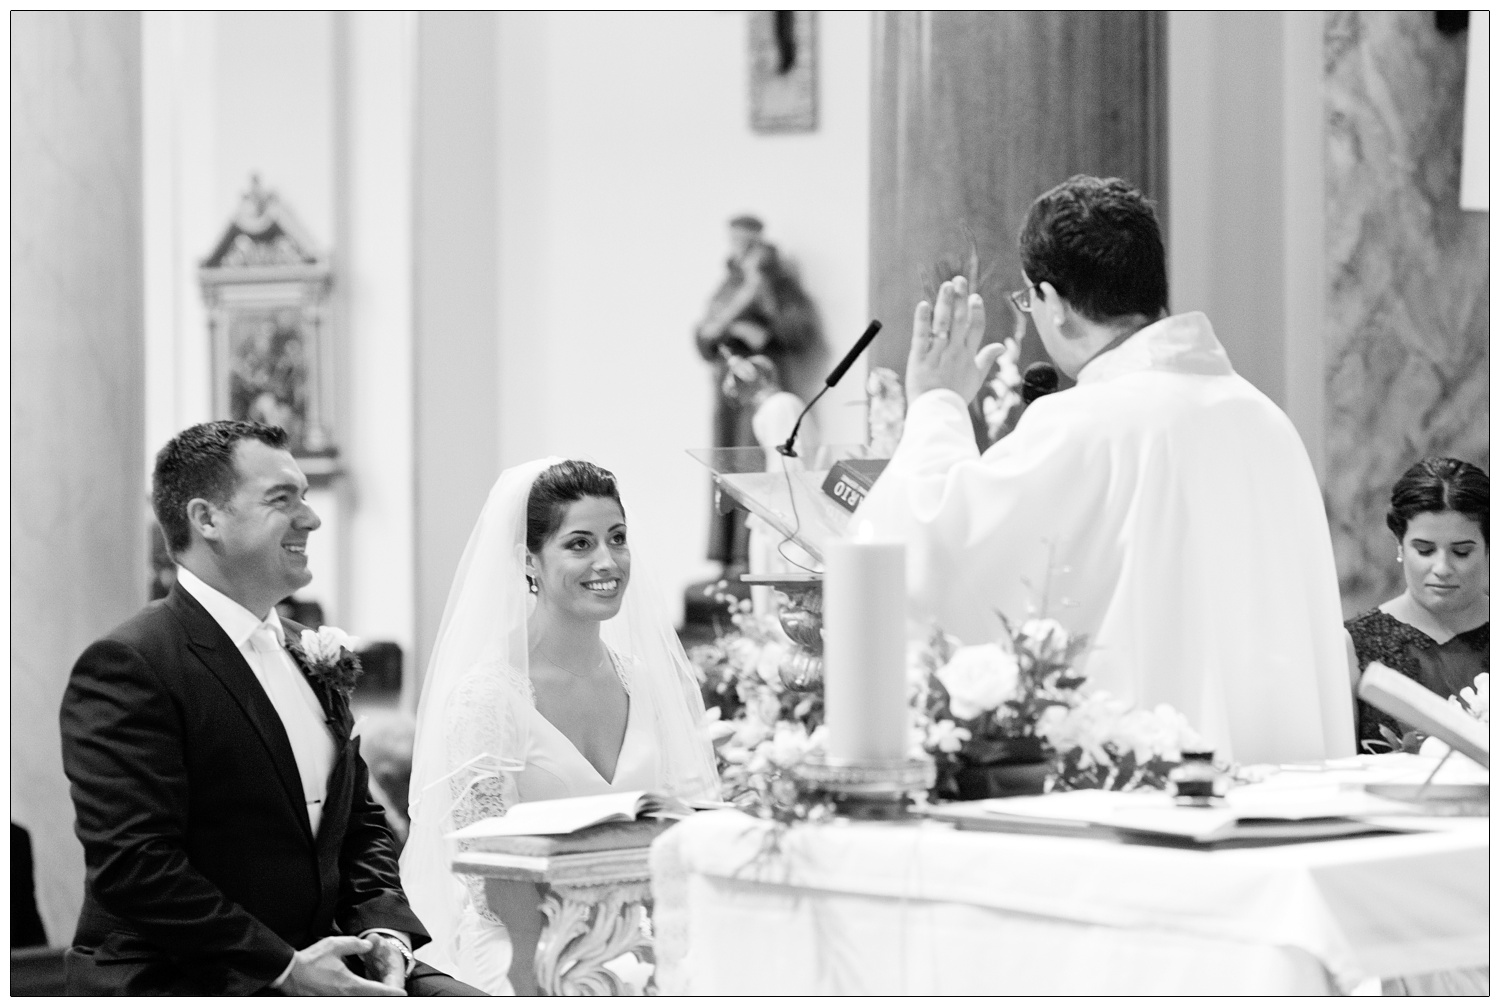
x,y
572,814
1249,814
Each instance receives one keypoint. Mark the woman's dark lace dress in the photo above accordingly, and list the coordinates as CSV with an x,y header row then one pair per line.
x,y
1444,668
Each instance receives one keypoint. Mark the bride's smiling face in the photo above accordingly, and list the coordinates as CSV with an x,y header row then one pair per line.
x,y
583,568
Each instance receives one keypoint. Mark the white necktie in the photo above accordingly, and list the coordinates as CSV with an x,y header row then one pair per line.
x,y
301,717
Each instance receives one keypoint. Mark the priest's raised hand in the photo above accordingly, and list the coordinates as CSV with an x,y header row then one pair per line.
x,y
945,344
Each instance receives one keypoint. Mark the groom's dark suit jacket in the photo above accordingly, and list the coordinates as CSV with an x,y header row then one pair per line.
x,y
203,874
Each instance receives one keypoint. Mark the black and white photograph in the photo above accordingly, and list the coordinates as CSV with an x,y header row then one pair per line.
x,y
749,503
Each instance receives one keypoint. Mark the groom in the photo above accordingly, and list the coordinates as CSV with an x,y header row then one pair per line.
x,y
230,840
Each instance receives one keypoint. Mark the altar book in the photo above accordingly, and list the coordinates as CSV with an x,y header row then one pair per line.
x,y
570,815
1249,815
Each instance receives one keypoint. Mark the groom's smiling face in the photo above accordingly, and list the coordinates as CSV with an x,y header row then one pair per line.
x,y
263,527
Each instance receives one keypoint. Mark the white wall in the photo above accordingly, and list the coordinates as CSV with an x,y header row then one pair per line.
x,y
228,94
625,147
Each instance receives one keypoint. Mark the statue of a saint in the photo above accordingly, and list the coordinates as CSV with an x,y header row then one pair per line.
x,y
759,309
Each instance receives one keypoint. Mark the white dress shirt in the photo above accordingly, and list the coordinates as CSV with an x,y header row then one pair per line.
x,y
262,644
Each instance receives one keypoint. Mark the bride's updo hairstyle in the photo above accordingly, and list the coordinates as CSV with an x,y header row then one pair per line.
x,y
555,489
1435,485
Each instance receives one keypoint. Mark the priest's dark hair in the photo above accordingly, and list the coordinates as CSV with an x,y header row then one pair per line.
x,y
1435,485
1098,242
199,462
557,487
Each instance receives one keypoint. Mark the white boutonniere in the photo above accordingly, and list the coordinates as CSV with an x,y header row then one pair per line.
x,y
329,656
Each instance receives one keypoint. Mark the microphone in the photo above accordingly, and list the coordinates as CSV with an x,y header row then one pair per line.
x,y
833,378
1040,379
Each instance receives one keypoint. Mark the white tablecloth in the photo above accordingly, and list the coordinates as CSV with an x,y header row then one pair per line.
x,y
865,908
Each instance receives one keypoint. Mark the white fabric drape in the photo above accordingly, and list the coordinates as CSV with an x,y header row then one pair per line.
x,y
861,908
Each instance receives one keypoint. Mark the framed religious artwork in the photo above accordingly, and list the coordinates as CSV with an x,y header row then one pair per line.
x,y
266,286
783,71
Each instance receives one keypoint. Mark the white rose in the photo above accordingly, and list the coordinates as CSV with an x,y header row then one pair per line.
x,y
978,679
946,736
323,646
1045,638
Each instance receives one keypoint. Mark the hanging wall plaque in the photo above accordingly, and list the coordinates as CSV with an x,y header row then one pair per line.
x,y
266,287
783,71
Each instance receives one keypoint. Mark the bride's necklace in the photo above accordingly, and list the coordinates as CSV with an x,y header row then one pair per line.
x,y
564,669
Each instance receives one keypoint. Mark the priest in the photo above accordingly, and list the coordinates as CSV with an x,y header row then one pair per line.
x,y
1162,505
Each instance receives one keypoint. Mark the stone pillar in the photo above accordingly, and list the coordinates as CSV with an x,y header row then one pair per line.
x,y
1408,295
456,267
78,501
975,114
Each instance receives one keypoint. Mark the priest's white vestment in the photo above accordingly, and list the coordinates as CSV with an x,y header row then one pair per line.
x,y
1183,525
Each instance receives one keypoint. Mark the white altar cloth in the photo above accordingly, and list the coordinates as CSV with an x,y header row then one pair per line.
x,y
920,908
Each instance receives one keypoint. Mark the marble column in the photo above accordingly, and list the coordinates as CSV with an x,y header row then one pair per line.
x,y
1407,275
78,496
975,114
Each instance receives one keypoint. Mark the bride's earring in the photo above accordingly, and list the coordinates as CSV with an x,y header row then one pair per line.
x,y
1398,557
531,583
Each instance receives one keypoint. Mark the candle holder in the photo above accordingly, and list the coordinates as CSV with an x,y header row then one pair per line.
x,y
868,789
801,616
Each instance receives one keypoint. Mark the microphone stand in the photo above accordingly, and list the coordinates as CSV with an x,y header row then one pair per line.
x,y
865,339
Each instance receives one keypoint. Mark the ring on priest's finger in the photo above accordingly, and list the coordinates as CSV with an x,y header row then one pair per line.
x,y
939,335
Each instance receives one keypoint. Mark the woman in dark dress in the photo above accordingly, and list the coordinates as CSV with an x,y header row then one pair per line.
x,y
1436,632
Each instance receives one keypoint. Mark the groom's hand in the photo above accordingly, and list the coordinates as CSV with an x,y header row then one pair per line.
x,y
319,970
945,338
384,961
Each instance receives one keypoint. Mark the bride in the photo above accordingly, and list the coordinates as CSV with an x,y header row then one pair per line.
x,y
556,673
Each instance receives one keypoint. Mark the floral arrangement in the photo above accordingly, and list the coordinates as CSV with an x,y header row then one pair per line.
x,y
1103,743
761,727
1016,700
981,705
328,655
1002,393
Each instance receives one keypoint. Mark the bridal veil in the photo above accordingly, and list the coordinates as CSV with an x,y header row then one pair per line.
x,y
484,633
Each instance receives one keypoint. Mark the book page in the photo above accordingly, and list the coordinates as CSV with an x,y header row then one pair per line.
x,y
564,815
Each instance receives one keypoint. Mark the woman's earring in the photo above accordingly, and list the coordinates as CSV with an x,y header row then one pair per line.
x,y
531,583
1398,557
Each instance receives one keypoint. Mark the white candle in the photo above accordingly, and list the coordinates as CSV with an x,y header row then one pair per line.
x,y
864,650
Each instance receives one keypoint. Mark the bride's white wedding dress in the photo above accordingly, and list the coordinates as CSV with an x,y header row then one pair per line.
x,y
482,747
553,768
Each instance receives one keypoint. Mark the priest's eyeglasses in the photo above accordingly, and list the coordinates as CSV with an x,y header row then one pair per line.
x,y
1022,298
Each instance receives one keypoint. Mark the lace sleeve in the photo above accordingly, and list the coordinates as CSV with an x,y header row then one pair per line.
x,y
485,723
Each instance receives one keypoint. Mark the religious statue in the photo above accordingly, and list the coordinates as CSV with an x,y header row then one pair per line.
x,y
759,309
755,384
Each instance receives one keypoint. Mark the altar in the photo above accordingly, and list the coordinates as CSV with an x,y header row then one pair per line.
x,y
854,908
